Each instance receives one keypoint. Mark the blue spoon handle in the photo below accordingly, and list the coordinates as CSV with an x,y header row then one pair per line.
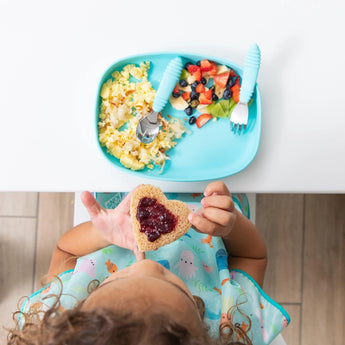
x,y
250,73
170,78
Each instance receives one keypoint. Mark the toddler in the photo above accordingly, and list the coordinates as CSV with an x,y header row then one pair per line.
x,y
204,288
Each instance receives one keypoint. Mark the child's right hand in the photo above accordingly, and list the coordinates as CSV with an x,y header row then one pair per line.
x,y
114,225
218,215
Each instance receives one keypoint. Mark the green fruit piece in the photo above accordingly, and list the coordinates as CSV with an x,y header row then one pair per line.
x,y
232,104
184,74
224,103
216,109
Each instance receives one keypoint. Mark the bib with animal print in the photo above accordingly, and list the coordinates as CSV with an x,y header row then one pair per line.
x,y
199,260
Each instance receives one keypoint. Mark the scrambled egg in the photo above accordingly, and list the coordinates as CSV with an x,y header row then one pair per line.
x,y
124,103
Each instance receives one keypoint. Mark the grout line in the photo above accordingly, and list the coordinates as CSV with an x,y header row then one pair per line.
x,y
302,269
35,248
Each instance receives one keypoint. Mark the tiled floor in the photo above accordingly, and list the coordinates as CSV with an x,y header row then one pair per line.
x,y
305,235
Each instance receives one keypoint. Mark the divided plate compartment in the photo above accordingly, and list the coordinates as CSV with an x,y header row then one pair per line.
x,y
210,152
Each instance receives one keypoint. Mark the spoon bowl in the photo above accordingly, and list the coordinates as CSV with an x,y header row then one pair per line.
x,y
148,127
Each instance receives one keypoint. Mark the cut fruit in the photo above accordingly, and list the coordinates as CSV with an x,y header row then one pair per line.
x,y
236,92
200,88
205,65
208,94
221,79
184,74
178,103
186,96
232,73
202,119
204,98
216,110
176,90
222,108
218,90
212,72
193,68
198,75
222,68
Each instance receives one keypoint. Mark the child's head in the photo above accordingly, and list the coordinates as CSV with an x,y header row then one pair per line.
x,y
141,304
147,288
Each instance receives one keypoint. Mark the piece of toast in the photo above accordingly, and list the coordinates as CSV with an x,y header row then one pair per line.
x,y
178,208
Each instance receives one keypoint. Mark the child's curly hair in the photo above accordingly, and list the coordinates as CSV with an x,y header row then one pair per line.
x,y
104,327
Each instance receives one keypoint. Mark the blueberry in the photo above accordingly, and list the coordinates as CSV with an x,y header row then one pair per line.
x,y
227,94
189,110
187,65
198,63
194,85
192,120
183,83
214,97
203,81
230,82
194,95
175,94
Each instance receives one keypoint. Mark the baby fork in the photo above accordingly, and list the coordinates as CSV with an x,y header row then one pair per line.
x,y
239,116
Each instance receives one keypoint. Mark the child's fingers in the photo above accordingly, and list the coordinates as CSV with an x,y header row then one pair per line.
x,y
201,224
90,203
223,202
205,226
217,216
217,187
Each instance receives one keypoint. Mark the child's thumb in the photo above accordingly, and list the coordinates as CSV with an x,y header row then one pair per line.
x,y
91,204
138,254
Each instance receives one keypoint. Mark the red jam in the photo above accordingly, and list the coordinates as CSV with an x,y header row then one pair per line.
x,y
154,218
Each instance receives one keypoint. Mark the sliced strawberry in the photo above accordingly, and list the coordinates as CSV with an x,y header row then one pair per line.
x,y
233,73
213,71
237,81
186,96
208,94
200,88
202,119
236,92
205,65
221,79
198,75
195,71
204,98
176,90
193,68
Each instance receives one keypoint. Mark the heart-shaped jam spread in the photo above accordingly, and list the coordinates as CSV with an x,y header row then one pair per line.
x,y
154,218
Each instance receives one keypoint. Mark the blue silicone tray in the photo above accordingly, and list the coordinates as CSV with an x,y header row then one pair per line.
x,y
209,152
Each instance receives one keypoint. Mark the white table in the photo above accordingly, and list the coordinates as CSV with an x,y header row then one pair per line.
x,y
53,54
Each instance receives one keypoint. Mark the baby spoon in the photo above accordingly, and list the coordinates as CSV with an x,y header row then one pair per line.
x,y
148,126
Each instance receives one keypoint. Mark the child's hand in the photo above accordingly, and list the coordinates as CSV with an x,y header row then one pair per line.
x,y
114,225
217,217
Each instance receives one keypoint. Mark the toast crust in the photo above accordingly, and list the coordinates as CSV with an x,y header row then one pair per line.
x,y
176,207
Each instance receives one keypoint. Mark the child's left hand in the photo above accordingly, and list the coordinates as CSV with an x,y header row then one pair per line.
x,y
217,215
114,225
